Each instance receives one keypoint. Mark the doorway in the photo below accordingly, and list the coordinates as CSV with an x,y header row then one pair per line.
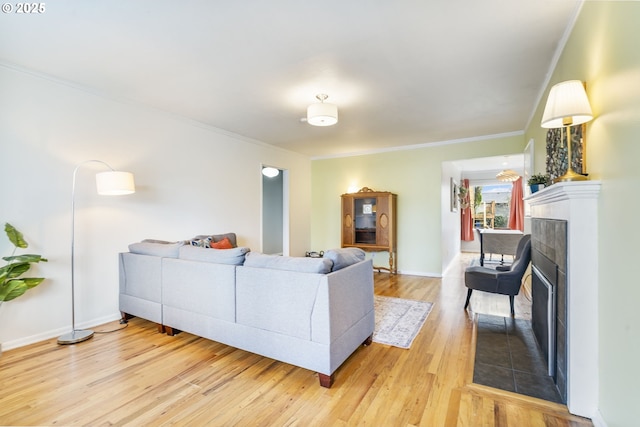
x,y
275,202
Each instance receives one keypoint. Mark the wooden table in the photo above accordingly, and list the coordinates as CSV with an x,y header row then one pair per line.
x,y
498,242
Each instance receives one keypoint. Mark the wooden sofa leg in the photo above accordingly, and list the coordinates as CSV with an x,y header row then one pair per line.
x,y
124,318
171,331
325,380
368,341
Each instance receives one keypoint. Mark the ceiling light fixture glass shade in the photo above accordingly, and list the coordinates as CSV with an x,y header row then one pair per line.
x,y
507,175
115,183
270,172
567,105
322,113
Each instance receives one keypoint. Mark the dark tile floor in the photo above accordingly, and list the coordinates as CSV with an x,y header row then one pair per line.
x,y
508,358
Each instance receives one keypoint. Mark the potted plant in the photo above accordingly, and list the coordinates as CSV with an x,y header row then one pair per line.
x,y
12,285
538,181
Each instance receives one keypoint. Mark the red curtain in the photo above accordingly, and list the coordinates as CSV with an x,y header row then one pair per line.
x,y
516,211
466,228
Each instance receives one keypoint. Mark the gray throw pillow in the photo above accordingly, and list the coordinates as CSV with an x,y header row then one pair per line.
x,y
156,248
344,257
234,256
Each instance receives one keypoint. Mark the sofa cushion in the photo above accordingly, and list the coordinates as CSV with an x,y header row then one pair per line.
x,y
156,248
344,257
234,256
218,237
299,264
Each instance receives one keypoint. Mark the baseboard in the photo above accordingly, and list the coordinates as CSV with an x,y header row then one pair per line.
x,y
597,420
419,273
21,342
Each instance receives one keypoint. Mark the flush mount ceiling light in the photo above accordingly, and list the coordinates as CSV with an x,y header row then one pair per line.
x,y
322,113
270,172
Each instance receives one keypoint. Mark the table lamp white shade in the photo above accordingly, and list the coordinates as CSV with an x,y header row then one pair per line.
x,y
567,105
115,183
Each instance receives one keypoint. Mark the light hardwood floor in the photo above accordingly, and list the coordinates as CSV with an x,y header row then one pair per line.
x,y
139,377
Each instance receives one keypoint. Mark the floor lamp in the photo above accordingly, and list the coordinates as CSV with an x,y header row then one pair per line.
x,y
110,183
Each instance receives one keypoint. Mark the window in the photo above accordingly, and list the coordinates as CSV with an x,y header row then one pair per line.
x,y
493,209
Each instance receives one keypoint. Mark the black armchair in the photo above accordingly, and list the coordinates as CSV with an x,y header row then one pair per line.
x,y
500,282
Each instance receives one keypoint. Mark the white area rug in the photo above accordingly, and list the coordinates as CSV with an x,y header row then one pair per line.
x,y
398,320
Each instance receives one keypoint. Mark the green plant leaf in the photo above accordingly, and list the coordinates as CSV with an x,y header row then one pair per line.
x,y
11,285
14,270
15,236
32,282
12,289
25,258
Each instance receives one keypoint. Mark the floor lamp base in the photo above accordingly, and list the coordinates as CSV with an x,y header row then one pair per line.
x,y
75,336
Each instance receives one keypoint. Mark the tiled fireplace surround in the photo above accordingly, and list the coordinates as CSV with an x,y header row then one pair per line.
x,y
577,203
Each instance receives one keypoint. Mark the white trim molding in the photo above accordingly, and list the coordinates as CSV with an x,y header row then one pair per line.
x,y
577,203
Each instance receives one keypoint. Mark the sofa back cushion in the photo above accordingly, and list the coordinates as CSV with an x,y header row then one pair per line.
x,y
234,256
158,248
275,300
344,257
297,264
204,288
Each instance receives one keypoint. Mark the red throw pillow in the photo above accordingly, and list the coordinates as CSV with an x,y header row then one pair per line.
x,y
222,244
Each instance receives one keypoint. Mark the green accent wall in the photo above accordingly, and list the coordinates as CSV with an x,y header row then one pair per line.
x,y
415,175
602,50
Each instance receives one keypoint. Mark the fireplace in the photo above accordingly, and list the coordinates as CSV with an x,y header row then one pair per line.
x,y
548,290
574,204
543,323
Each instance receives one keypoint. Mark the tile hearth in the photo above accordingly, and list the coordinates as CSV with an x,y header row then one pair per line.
x,y
508,358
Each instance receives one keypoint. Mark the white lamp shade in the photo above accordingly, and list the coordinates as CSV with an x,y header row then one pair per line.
x,y
567,104
322,114
115,183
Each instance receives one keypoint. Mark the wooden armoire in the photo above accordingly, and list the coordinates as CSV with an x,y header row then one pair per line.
x,y
369,223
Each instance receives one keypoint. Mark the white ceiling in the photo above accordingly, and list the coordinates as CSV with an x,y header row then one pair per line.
x,y
401,72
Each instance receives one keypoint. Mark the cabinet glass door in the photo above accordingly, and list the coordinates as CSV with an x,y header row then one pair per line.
x,y
365,216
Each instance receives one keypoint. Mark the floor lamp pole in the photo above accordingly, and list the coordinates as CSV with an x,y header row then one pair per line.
x,y
76,335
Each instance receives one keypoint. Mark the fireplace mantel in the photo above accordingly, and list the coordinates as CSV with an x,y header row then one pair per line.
x,y
577,203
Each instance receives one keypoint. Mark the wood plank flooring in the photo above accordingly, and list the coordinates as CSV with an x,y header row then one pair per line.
x,y
139,377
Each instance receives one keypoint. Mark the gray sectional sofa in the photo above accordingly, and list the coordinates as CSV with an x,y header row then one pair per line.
x,y
309,312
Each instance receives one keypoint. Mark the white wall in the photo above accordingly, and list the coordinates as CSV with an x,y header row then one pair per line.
x,y
450,220
191,179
